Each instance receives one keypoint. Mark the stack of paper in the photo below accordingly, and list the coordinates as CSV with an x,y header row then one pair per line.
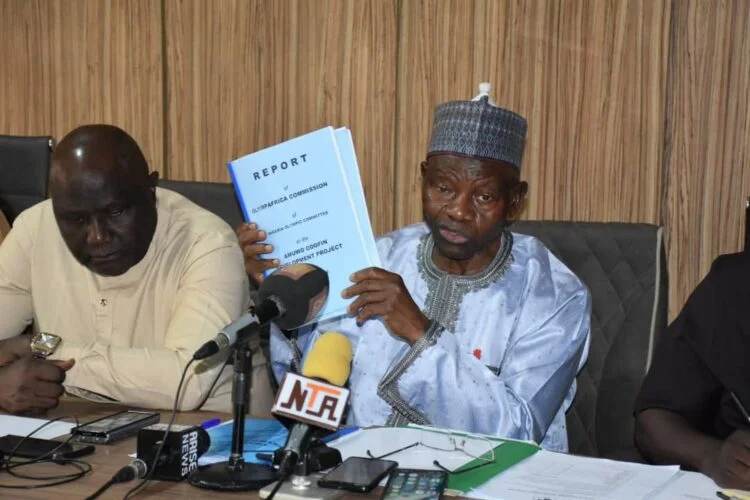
x,y
687,486
561,476
306,193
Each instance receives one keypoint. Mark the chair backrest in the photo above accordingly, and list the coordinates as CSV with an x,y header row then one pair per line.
x,y
747,225
624,267
215,197
24,172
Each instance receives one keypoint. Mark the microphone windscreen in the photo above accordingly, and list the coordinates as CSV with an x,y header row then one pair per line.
x,y
204,441
330,359
301,288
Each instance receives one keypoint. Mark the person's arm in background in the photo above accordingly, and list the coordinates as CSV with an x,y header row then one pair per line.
x,y
4,227
667,432
213,292
16,310
681,395
26,384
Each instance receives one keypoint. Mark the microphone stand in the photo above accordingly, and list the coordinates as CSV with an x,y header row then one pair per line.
x,y
235,474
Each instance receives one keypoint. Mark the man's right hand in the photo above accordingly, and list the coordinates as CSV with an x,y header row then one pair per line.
x,y
729,467
251,241
32,385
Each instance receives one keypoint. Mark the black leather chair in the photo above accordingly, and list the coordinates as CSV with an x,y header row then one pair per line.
x,y
216,197
624,266
747,225
24,172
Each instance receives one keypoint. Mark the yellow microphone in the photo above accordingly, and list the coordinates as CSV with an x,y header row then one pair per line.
x,y
317,396
330,359
314,400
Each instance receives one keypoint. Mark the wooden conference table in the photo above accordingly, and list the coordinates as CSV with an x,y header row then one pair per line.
x,y
108,459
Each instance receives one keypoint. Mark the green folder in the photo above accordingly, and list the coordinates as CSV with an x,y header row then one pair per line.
x,y
507,454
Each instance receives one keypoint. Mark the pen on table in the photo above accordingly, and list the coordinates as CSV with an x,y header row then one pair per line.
x,y
211,423
739,405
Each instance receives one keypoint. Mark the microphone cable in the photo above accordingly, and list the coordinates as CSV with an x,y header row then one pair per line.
x,y
129,472
285,470
137,468
51,456
138,487
124,474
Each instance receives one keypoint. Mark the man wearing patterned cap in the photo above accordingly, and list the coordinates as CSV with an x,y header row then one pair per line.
x,y
467,326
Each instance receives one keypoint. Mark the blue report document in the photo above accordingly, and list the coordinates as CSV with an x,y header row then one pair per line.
x,y
306,193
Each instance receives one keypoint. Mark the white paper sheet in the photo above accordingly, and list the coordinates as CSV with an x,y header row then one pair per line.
x,y
687,486
21,426
557,476
692,486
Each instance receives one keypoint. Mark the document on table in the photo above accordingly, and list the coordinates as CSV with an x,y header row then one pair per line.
x,y
694,486
261,436
688,486
558,476
22,426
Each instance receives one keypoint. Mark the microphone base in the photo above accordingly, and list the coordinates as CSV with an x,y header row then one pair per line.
x,y
306,487
221,477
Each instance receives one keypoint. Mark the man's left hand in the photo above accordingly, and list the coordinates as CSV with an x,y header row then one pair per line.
x,y
14,348
383,294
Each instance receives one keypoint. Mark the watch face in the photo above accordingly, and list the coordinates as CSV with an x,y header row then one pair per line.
x,y
45,343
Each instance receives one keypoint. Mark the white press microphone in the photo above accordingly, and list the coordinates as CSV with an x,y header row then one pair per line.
x,y
290,297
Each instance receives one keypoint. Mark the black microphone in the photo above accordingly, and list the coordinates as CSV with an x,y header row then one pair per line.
x,y
290,297
179,455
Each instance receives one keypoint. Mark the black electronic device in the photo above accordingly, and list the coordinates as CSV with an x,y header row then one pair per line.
x,y
358,474
35,448
415,484
179,454
114,427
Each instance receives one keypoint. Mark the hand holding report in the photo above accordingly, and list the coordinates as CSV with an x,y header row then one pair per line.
x,y
307,196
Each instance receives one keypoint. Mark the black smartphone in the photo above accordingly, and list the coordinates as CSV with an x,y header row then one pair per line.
x,y
35,448
415,484
114,427
357,474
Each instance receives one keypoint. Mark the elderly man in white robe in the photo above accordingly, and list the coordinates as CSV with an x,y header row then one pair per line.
x,y
467,326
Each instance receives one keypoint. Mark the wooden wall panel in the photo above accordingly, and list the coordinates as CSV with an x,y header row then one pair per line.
x,y
638,109
244,75
707,158
589,76
67,63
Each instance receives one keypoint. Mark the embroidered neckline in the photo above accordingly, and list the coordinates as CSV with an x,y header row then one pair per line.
x,y
446,291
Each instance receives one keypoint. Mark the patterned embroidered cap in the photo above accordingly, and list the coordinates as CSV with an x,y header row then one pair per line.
x,y
478,128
